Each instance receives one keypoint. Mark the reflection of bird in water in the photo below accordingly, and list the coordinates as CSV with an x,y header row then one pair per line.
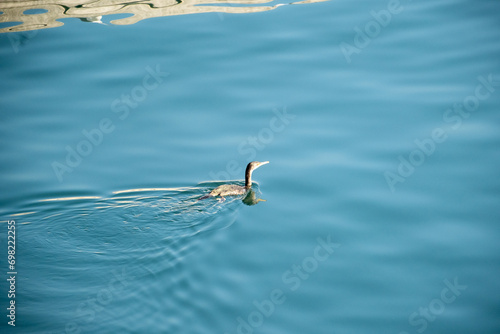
x,y
234,189
251,198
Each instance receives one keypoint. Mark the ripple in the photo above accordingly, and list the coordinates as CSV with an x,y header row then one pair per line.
x,y
82,245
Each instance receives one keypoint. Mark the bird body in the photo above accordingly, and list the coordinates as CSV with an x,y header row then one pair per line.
x,y
228,190
234,189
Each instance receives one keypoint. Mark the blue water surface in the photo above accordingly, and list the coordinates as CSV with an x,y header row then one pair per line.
x,y
378,213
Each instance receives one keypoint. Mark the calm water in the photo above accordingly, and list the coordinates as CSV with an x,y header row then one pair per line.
x,y
381,211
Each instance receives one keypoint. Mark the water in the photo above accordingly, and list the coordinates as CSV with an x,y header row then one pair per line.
x,y
381,197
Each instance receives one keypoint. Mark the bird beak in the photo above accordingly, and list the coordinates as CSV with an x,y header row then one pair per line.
x,y
263,163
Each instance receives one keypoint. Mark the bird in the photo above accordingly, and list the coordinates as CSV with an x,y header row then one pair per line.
x,y
234,189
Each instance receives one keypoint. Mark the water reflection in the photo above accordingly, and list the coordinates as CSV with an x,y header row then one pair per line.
x,y
252,199
47,12
93,19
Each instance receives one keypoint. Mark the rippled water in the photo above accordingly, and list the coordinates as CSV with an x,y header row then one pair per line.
x,y
106,252
379,209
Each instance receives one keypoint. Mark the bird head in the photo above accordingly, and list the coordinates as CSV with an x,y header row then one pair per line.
x,y
255,164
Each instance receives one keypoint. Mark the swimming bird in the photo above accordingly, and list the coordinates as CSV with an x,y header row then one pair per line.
x,y
234,189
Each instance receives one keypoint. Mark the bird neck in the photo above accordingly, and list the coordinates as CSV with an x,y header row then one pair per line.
x,y
248,178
